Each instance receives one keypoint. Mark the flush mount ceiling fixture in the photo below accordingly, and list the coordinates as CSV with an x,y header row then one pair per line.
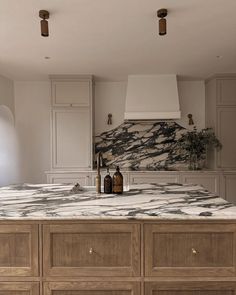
x,y
162,13
44,14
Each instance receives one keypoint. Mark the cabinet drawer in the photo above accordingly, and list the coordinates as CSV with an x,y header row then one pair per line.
x,y
190,288
92,249
92,288
18,250
139,178
189,250
23,288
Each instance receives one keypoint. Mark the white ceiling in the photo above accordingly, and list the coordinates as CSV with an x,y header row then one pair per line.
x,y
114,38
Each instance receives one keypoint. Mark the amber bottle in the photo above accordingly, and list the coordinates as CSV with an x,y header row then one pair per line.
x,y
117,181
108,183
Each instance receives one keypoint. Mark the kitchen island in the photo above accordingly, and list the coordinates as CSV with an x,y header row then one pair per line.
x,y
157,239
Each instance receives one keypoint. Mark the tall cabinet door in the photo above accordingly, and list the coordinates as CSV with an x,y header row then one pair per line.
x,y
71,138
226,122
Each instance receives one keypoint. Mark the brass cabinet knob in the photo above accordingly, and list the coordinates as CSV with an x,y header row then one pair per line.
x,y
194,251
91,251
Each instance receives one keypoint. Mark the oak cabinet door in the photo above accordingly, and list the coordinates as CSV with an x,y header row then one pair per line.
x,y
92,288
91,250
19,288
18,250
190,288
189,250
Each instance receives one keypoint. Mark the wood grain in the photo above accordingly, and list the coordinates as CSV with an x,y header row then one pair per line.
x,y
93,249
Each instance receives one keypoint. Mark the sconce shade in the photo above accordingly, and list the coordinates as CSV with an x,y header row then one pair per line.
x,y
162,26
44,28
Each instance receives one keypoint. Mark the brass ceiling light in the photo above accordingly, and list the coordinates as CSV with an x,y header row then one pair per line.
x,y
162,13
44,14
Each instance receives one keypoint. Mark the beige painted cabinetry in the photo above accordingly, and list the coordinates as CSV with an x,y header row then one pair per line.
x,y
83,178
72,127
230,187
122,257
154,177
209,180
221,115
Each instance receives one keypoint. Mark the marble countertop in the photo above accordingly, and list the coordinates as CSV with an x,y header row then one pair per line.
x,y
159,201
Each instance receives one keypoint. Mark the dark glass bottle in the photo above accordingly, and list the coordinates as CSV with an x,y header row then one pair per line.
x,y
108,183
117,182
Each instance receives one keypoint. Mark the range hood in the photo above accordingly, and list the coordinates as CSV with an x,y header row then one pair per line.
x,y
152,97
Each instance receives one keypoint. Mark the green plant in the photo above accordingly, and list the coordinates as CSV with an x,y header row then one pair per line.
x,y
195,143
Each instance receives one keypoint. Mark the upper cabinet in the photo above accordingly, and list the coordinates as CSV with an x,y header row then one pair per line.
x,y
226,91
72,122
221,116
72,91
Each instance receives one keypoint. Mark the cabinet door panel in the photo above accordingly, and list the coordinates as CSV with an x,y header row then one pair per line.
x,y
192,250
208,181
18,250
71,139
190,288
93,249
23,288
92,288
226,118
139,178
226,92
82,178
230,188
71,93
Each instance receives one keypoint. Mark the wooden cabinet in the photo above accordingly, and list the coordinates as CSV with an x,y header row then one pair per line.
x,y
210,181
190,250
221,116
19,288
92,288
153,177
92,250
118,258
190,288
18,250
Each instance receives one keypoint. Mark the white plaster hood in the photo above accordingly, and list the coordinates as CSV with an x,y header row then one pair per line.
x,y
152,97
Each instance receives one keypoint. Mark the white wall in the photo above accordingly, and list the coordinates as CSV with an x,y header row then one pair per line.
x,y
8,137
32,119
109,98
32,113
192,101
7,93
9,166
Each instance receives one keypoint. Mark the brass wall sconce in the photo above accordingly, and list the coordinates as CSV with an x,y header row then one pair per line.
x,y
162,13
109,119
44,14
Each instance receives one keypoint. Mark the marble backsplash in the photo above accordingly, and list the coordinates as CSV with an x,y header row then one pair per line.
x,y
142,145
